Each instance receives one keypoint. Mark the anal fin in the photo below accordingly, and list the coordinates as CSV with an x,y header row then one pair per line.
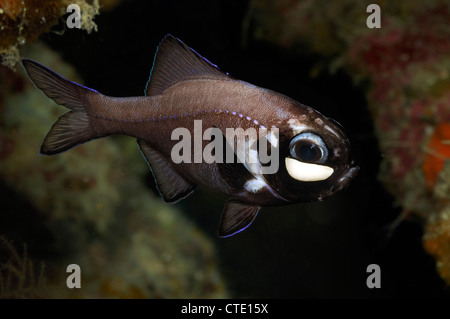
x,y
236,217
170,184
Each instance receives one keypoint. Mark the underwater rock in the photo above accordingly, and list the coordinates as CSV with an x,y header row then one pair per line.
x,y
22,21
94,202
406,64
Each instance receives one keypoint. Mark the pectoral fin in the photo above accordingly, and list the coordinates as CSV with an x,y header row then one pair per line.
x,y
234,173
236,217
170,184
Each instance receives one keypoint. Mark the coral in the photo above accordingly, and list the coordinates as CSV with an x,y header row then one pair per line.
x,y
406,67
89,11
94,202
22,21
437,229
437,243
19,277
438,152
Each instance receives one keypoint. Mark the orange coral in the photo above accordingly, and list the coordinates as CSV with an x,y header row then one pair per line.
x,y
438,151
22,21
27,19
11,8
437,243
118,288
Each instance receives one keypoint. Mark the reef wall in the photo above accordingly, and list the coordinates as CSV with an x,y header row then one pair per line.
x,y
89,206
404,67
94,203
22,21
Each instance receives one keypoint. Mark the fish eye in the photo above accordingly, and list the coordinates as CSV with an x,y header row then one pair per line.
x,y
309,148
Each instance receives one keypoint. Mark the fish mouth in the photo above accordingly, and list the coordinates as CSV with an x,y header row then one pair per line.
x,y
344,180
351,173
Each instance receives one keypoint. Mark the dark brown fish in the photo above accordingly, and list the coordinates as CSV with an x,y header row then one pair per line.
x,y
185,90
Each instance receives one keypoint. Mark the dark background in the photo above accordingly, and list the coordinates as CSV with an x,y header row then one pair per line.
x,y
316,250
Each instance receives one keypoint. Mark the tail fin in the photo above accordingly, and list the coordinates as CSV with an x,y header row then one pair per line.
x,y
72,128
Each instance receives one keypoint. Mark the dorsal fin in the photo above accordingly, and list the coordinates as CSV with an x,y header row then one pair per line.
x,y
175,61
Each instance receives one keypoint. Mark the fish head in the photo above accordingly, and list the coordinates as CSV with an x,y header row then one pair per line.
x,y
314,158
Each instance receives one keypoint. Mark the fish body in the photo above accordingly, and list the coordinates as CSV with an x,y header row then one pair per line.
x,y
184,91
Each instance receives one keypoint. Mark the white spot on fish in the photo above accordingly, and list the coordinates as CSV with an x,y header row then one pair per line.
x,y
336,152
329,129
272,138
296,126
255,185
307,172
319,121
